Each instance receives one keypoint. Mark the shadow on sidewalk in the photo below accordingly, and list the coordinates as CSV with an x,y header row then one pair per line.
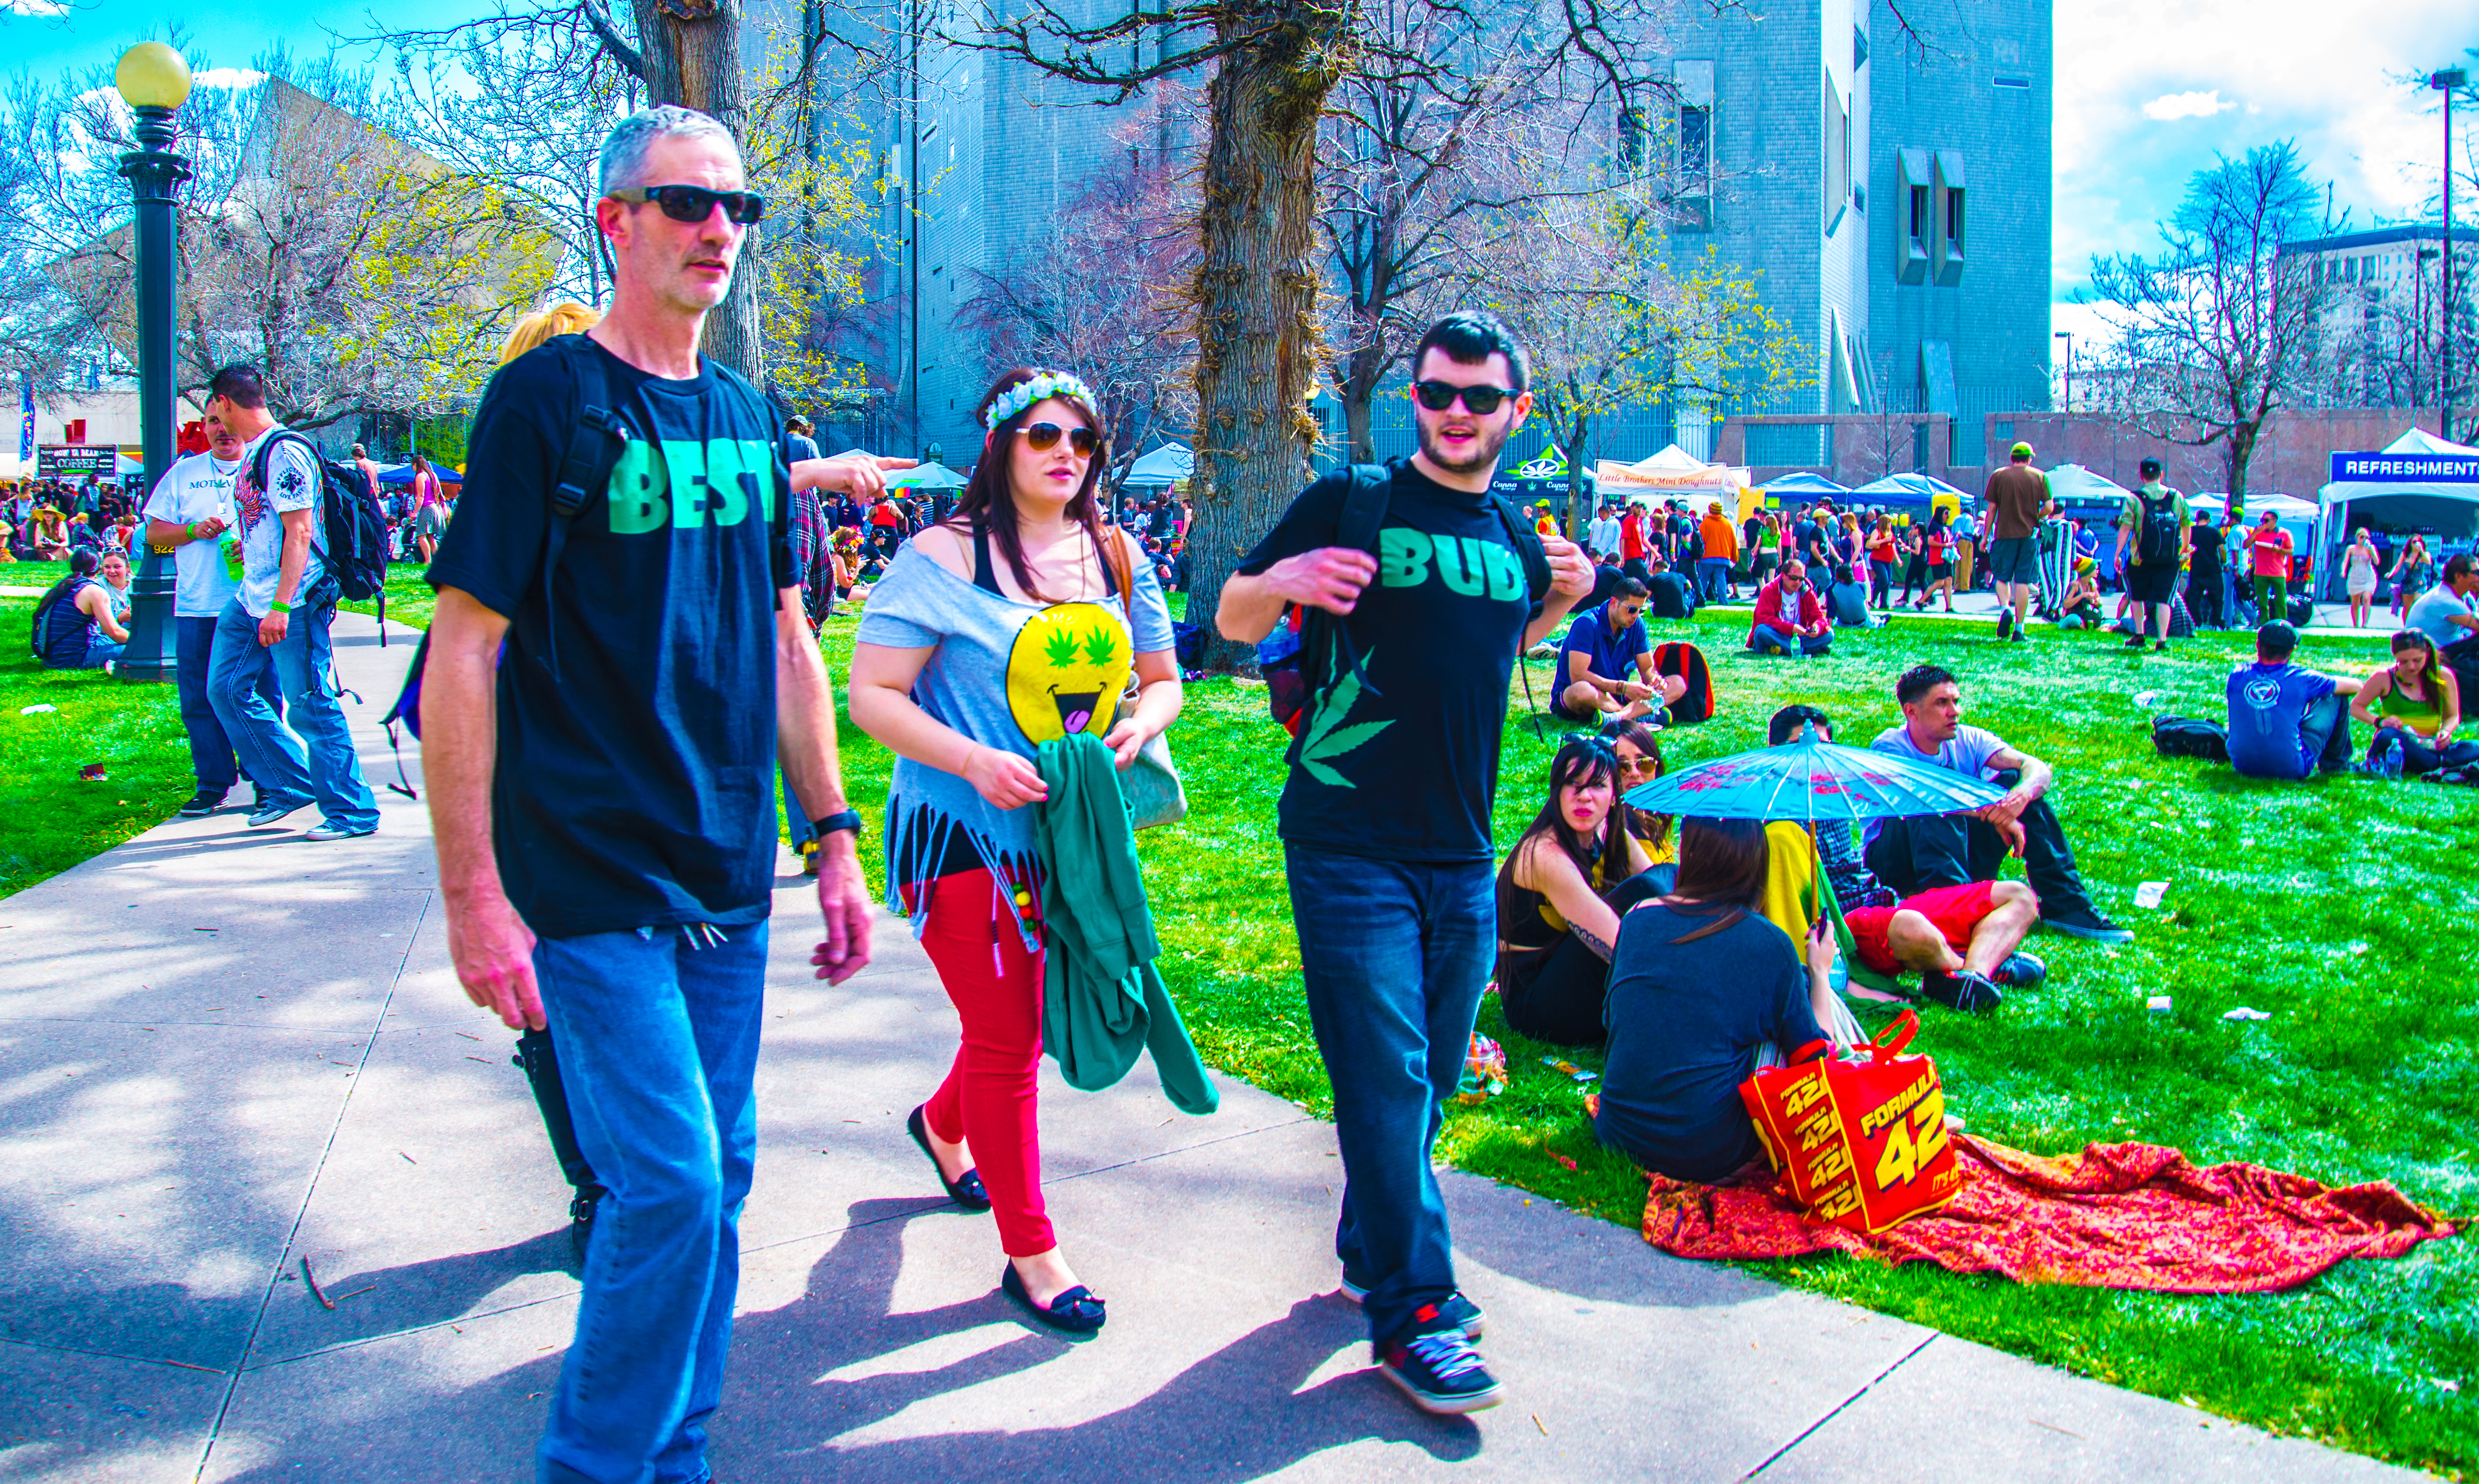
x,y
1236,1414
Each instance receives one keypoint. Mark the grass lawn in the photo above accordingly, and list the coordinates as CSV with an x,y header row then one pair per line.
x,y
2339,905
55,819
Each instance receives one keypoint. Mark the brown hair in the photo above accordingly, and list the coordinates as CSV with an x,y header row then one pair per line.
x,y
1653,829
1581,762
1721,862
989,495
2431,688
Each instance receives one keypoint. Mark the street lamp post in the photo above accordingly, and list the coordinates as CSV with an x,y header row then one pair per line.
x,y
2068,336
2445,82
154,81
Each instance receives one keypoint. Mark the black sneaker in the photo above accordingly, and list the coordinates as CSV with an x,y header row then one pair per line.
x,y
1976,993
2020,637
2004,623
203,802
1457,1310
2160,645
2019,971
1440,1373
2134,643
581,1219
2084,923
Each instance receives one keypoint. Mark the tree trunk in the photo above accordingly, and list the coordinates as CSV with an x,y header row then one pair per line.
x,y
1573,449
692,51
1258,347
2234,458
1365,368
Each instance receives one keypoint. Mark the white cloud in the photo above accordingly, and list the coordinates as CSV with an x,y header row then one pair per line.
x,y
227,77
37,8
2186,105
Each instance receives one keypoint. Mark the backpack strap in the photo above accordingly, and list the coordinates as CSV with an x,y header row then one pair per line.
x,y
1527,545
258,473
598,437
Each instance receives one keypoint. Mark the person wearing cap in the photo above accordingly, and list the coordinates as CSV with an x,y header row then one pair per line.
x,y
2286,722
2149,582
2080,607
2013,499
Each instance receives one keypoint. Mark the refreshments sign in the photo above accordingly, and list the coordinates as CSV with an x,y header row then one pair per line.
x,y
2381,468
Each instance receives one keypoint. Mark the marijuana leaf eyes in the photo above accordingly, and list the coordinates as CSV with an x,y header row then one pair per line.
x,y
1098,648
1060,648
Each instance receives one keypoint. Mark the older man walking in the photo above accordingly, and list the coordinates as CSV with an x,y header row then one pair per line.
x,y
601,794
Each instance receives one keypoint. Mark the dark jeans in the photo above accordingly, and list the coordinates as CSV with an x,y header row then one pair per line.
x,y
1911,856
211,752
2417,755
2204,599
1394,957
1880,582
1555,994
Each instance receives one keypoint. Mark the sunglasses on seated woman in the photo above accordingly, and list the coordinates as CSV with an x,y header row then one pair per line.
x,y
1044,437
694,203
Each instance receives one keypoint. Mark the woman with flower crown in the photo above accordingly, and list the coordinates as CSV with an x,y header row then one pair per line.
x,y
1014,621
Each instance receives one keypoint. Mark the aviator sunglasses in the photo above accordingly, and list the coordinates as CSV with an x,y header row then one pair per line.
x,y
694,203
1044,437
1438,396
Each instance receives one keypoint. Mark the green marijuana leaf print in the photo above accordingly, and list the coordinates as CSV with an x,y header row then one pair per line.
x,y
1325,739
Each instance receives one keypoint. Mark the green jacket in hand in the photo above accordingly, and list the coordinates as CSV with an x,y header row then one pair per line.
x,y
1102,1001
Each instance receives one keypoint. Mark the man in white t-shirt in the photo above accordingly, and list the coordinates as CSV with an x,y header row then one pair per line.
x,y
277,619
187,514
1603,539
1912,855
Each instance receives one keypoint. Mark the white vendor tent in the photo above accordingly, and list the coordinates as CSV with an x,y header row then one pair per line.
x,y
2420,480
1673,473
933,476
1161,469
1907,492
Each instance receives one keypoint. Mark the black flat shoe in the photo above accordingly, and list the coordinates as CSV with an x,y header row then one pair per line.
x,y
1076,1312
965,1189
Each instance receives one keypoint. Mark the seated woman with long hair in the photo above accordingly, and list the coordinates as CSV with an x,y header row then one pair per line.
x,y
2414,703
1560,895
1637,746
1702,990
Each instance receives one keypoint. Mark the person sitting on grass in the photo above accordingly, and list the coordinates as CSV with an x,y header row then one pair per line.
x,y
1599,644
1560,894
1702,990
1789,616
2286,722
1914,855
2081,607
1638,745
2414,703
1672,596
1963,941
74,626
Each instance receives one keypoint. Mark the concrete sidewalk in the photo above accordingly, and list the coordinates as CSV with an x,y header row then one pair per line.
x,y
223,1050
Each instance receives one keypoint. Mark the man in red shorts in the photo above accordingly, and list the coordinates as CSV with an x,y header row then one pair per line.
x,y
1960,940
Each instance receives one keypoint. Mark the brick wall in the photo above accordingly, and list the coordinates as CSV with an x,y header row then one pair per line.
x,y
2293,457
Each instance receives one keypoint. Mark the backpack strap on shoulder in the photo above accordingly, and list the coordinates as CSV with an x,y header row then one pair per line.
x,y
1537,575
598,437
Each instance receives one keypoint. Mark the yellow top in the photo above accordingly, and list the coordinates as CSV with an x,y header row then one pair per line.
x,y
1790,901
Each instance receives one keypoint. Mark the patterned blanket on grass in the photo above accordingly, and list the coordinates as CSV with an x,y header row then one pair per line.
x,y
2117,1215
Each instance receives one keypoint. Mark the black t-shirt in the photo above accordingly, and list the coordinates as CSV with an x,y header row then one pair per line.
x,y
1810,539
1406,768
636,789
1670,597
1685,1020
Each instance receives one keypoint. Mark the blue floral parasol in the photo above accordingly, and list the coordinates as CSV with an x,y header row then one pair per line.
x,y
1810,780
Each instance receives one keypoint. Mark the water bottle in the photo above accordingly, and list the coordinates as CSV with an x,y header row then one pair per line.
x,y
230,541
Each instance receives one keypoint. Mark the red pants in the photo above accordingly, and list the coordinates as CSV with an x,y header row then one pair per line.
x,y
1953,910
987,1100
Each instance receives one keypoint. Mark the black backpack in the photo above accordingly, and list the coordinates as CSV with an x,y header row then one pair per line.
x,y
355,548
1297,673
2184,736
2156,536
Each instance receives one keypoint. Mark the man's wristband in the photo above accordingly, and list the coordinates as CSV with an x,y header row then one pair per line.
x,y
279,608
849,819
190,531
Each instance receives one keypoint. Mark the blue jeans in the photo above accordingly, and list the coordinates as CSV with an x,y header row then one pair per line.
x,y
1774,639
308,752
796,819
658,1053
1394,957
211,752
1713,577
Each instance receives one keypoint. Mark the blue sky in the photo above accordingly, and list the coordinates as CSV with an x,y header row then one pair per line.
x,y
2146,91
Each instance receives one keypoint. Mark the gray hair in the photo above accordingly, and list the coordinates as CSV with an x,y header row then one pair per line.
x,y
624,148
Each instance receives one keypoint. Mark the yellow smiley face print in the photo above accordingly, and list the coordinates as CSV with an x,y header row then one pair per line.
x,y
1065,670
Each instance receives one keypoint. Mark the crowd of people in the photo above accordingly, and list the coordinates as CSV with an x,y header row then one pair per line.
x,y
592,897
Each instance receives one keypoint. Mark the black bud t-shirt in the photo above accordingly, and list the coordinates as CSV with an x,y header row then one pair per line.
x,y
637,788
1404,767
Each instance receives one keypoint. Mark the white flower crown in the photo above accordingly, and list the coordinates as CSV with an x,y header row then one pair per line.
x,y
1042,388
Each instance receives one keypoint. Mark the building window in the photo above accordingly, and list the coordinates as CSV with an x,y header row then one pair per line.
x,y
1695,144
1919,221
1953,221
1914,213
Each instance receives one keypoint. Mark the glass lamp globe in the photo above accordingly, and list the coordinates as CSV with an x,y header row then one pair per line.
x,y
152,75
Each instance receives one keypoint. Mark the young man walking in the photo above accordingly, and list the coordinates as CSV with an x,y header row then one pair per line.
x,y
189,512
1387,838
2156,524
2013,500
278,619
601,793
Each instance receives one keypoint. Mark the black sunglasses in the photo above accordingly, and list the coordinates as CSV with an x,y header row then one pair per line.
x,y
1044,437
694,203
1438,396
